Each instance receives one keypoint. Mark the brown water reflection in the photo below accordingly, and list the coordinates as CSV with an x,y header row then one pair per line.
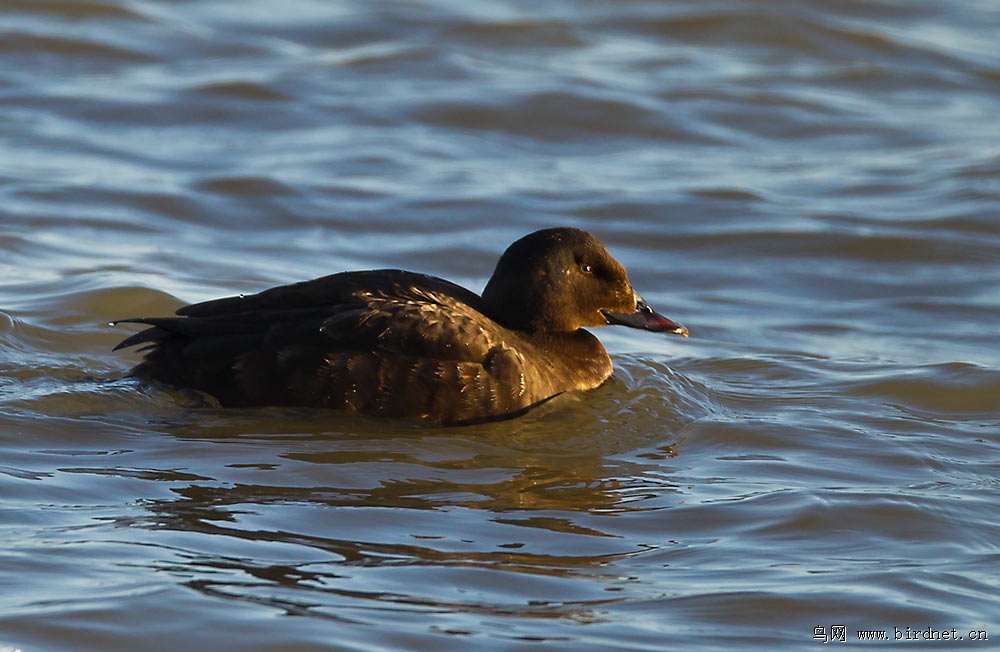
x,y
527,500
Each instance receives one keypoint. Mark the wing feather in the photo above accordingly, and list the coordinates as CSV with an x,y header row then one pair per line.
x,y
388,342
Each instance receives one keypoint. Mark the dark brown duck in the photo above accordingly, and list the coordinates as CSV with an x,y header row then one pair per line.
x,y
400,344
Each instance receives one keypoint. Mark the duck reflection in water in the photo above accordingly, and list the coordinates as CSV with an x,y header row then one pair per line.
x,y
382,515
406,345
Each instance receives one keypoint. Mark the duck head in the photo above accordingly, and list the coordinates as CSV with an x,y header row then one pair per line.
x,y
559,280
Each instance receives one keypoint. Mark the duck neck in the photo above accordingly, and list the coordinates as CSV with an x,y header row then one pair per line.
x,y
579,351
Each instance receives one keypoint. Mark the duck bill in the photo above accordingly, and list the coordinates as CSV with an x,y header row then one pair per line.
x,y
645,318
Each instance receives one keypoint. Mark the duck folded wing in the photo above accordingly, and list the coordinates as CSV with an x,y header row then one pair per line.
x,y
335,289
426,359
410,350
385,309
417,322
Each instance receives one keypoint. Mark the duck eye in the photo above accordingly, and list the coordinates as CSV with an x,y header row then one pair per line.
x,y
586,269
